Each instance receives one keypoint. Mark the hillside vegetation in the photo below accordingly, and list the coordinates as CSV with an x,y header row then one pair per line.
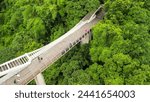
x,y
118,54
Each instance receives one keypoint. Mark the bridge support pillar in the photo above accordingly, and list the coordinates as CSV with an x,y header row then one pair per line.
x,y
87,38
39,79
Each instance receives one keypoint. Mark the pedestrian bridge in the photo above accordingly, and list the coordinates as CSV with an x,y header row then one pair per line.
x,y
29,66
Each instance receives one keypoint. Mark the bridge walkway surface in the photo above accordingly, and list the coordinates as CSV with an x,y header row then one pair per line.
x,y
42,58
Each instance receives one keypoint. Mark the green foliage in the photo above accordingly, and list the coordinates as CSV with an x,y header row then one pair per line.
x,y
94,72
70,71
121,43
28,24
79,77
118,54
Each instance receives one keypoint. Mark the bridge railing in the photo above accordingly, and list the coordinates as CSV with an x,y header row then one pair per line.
x,y
38,52
14,64
24,60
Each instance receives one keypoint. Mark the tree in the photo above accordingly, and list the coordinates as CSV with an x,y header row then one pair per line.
x,y
121,43
79,77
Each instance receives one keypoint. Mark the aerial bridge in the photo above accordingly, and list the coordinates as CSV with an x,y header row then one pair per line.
x,y
25,68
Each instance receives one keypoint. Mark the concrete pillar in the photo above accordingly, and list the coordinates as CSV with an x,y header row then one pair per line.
x,y
87,38
39,79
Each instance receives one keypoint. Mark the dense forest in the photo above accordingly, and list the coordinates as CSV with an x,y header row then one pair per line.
x,y
118,54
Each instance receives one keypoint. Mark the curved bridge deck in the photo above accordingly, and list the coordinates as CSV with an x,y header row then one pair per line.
x,y
40,59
